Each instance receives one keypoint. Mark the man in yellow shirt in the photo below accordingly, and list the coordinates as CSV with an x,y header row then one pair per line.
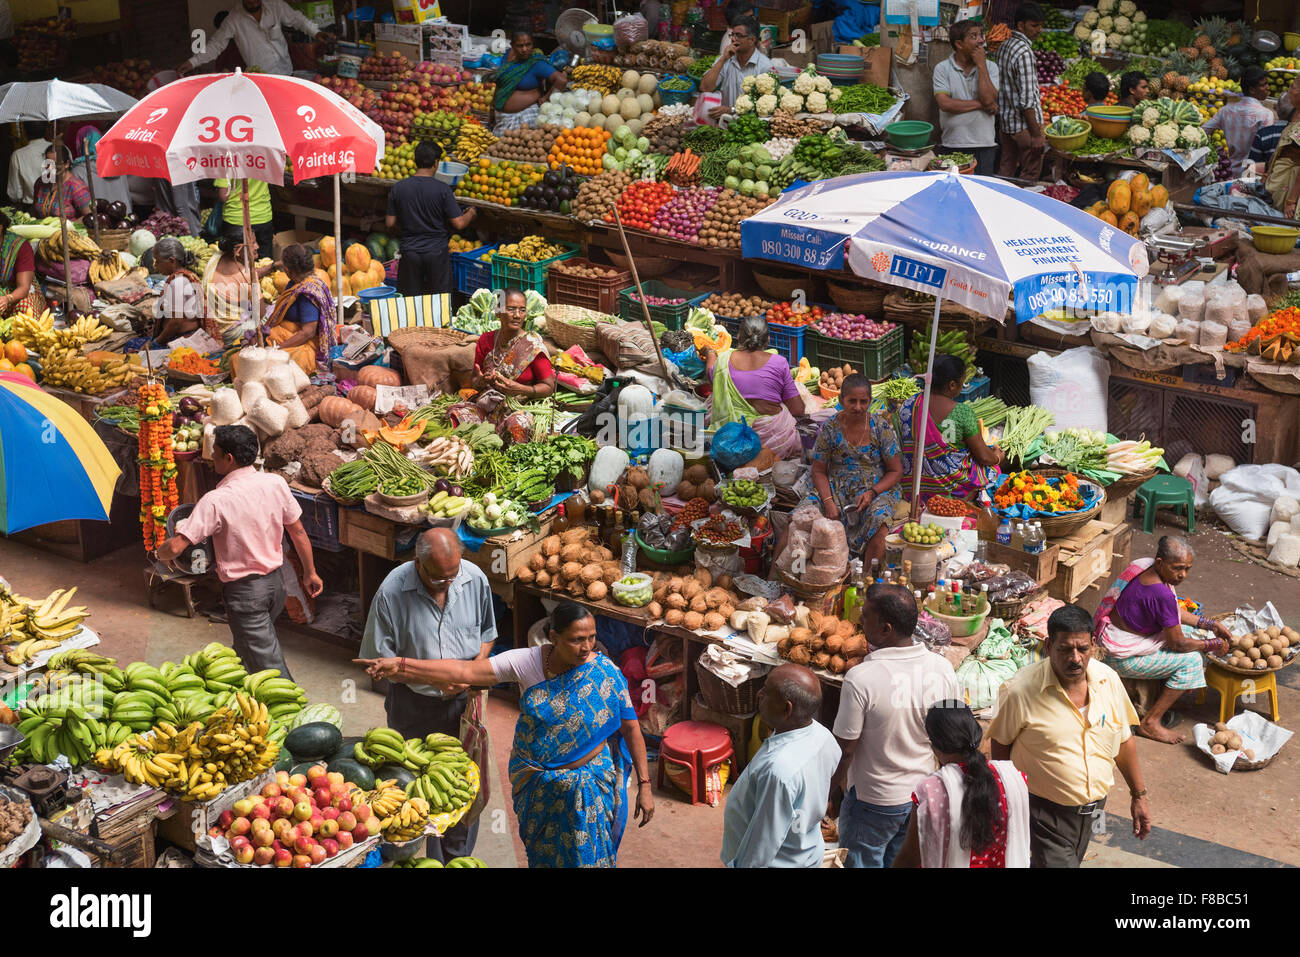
x,y
230,192
1065,722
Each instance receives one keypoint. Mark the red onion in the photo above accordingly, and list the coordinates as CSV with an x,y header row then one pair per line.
x,y
854,328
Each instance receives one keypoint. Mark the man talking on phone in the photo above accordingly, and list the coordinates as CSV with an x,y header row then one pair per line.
x,y
739,58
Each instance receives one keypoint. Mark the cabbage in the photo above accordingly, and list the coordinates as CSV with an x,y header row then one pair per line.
x,y
141,242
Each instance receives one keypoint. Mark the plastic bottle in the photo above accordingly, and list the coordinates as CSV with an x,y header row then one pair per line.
x,y
1018,536
1033,539
1004,532
854,594
875,572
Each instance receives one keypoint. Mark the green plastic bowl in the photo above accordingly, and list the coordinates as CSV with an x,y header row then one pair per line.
x,y
909,134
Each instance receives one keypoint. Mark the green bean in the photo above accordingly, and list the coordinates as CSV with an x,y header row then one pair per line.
x,y
863,98
355,479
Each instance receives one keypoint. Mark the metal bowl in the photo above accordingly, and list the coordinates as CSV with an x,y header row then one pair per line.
x,y
199,558
10,738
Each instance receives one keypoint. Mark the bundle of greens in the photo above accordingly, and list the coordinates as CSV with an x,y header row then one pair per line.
x,y
1079,450
1024,425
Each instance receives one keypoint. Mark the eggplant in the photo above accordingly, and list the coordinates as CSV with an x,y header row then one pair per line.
x,y
442,485
117,209
181,420
456,491
102,205
190,406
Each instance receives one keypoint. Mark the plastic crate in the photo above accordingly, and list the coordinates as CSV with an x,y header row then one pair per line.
x,y
320,519
598,294
672,317
523,275
875,358
470,274
978,388
787,341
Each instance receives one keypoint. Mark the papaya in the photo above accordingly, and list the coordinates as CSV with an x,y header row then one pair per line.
x,y
1108,217
360,280
377,272
281,280
1119,197
1139,183
1141,203
1097,208
327,249
1130,222
1159,197
357,258
323,276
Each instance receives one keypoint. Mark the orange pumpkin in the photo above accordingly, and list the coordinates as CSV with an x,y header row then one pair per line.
x,y
333,409
357,257
364,396
377,375
1130,223
327,249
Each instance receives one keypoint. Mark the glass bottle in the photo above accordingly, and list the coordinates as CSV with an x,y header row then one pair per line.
x,y
875,572
560,523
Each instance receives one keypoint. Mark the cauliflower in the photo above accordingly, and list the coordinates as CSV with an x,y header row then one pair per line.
x,y
747,84
745,104
1105,6
791,102
1139,135
765,85
1150,117
834,95
1139,17
1165,136
817,102
1114,40
1127,7
824,84
1090,19
1082,32
1123,24
1191,136
766,105
805,83
1106,24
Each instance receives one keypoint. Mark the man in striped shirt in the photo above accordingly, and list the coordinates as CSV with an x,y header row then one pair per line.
x,y
1242,119
1265,143
1020,114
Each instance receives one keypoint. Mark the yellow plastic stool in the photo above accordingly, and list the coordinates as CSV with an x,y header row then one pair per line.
x,y
1232,686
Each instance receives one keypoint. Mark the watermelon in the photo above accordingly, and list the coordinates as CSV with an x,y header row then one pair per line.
x,y
402,774
377,243
285,761
353,771
394,247
313,741
315,712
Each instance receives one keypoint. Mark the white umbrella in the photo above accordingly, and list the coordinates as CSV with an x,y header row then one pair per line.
x,y
51,101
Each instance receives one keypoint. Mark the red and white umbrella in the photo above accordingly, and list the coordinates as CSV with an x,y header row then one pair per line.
x,y
240,126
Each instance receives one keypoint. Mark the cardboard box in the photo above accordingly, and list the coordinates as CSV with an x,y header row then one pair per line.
x,y
501,558
875,62
290,236
319,12
785,20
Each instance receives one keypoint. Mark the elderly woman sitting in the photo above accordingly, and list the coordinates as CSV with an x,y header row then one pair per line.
x,y
1140,625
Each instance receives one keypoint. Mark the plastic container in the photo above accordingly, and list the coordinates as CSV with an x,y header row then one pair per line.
x,y
876,358
786,340
451,172
470,274
961,626
1274,240
978,388
1109,122
376,292
600,295
524,275
1067,143
909,134
672,317
671,97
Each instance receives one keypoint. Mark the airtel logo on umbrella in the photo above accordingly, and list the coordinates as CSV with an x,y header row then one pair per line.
x,y
156,115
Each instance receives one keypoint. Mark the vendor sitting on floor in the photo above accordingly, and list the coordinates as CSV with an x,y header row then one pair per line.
x,y
511,360
856,470
18,274
178,310
752,384
1139,624
955,461
302,319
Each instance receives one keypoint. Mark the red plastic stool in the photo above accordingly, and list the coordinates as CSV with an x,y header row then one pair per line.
x,y
695,746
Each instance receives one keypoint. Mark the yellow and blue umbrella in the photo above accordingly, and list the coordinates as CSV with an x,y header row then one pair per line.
x,y
53,466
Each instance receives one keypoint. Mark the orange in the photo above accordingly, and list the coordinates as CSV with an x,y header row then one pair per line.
x,y
26,370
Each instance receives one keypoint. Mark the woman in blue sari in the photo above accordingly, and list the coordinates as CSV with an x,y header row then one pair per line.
x,y
577,739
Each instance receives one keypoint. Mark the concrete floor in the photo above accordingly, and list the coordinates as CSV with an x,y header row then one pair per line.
x,y
1203,818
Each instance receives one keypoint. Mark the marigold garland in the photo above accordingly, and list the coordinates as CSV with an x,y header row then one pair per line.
x,y
158,494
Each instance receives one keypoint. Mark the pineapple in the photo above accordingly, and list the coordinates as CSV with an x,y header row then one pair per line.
x,y
1214,32
1233,67
1189,53
1218,68
1169,81
1209,52
1182,83
1201,42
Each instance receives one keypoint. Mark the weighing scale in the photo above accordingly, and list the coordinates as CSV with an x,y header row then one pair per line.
x,y
1178,257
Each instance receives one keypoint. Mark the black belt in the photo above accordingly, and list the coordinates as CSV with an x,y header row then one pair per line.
x,y
1083,810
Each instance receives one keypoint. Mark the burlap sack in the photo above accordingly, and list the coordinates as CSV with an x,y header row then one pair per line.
x,y
1162,357
1264,274
628,346
445,367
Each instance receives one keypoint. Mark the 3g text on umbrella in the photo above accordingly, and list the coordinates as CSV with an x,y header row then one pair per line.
x,y
212,129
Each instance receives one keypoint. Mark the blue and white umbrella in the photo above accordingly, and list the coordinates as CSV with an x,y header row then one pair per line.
x,y
973,240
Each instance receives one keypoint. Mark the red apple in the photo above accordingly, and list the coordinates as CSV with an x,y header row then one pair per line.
x,y
271,791
306,829
317,819
302,810
363,829
362,811
241,825
284,807
215,831
263,838
289,835
279,826
328,828
344,803
331,847
322,797
301,860
335,777
330,814
318,774
347,821
263,856
283,858
245,854
282,779
345,840
243,807
262,812
303,845
261,824
317,854
239,841
225,818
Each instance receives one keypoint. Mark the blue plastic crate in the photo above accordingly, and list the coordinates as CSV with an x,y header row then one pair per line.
x,y
978,388
470,274
320,519
787,341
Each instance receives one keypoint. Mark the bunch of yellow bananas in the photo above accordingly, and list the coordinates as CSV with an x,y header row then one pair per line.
x,y
199,760
33,626
69,369
473,142
107,266
407,822
592,76
387,798
50,249
533,249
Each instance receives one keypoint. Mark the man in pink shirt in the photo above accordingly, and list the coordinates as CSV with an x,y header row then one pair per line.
x,y
1241,120
246,517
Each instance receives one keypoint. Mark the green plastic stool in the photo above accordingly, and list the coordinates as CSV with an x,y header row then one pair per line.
x,y
1167,490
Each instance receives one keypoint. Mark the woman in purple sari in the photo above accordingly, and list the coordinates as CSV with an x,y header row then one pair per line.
x,y
577,740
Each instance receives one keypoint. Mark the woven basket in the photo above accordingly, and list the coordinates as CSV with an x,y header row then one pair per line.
x,y
807,591
119,239
410,336
781,285
1129,484
565,334
721,696
868,301
1013,608
1058,526
951,315
647,267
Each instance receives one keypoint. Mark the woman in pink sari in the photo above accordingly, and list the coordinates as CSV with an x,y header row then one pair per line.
x,y
1139,624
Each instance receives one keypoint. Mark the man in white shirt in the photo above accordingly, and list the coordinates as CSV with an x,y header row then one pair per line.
x,y
880,729
739,58
256,26
27,162
966,90
774,812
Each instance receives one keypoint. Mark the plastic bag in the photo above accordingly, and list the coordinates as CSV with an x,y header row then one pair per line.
x,y
720,561
983,673
1192,467
781,610
1012,585
931,632
688,362
1072,386
1191,307
735,444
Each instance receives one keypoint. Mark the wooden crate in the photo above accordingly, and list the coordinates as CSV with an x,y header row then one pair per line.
x,y
1115,510
375,535
1040,567
1087,557
192,819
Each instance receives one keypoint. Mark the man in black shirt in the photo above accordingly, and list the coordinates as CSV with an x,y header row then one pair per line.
x,y
428,214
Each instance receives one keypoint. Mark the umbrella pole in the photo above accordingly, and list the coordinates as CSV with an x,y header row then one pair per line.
x,y
90,184
645,309
63,219
338,245
918,452
250,258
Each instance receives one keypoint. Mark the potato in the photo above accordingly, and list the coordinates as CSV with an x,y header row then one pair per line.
x,y
537,562
553,564
713,621
674,616
1274,661
726,610
698,604
676,602
1235,661
1220,726
1217,749
693,620
1247,642
1265,650
1273,631
1221,737
543,579
551,545
691,588
597,590
704,577
1234,741
1250,754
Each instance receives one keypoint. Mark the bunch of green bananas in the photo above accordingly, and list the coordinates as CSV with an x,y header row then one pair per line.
x,y
386,746
466,862
282,697
951,342
219,667
55,726
419,862
444,783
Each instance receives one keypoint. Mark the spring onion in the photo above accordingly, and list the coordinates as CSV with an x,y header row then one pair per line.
x,y
1133,458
